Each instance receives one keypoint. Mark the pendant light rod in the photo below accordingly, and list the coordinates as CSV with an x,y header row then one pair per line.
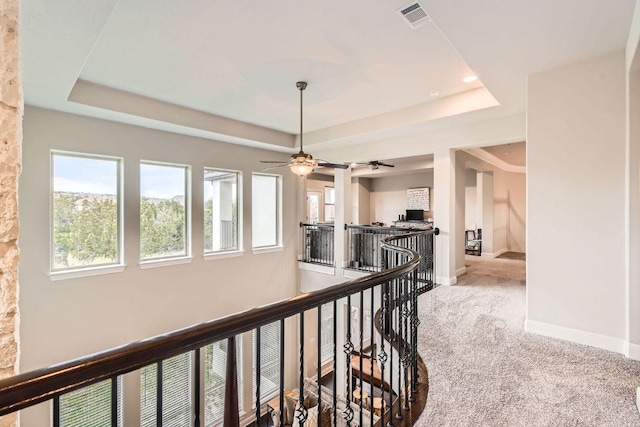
x,y
301,86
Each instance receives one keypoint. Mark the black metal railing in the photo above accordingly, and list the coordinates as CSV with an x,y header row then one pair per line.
x,y
365,250
390,375
317,244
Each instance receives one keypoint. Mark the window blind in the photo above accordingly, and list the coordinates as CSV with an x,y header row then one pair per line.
x,y
326,329
269,361
90,406
177,392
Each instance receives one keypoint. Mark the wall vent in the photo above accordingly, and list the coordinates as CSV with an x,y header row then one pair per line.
x,y
414,15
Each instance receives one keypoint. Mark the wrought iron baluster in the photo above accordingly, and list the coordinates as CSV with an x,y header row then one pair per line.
x,y
56,411
301,411
319,367
405,347
335,362
257,378
414,339
348,349
391,339
382,356
197,384
159,394
281,370
373,357
114,402
361,327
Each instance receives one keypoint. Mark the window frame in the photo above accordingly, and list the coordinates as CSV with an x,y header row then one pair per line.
x,y
278,245
96,269
327,204
239,250
170,259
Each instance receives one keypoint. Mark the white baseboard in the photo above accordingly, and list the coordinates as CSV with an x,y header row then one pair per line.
x,y
446,281
461,271
494,254
575,335
632,351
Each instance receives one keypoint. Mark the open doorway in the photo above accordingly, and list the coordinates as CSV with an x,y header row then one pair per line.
x,y
495,201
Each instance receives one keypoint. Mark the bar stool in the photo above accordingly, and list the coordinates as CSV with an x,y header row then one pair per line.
x,y
378,405
359,395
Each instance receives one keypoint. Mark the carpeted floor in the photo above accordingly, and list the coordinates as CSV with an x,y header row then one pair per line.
x,y
484,370
514,255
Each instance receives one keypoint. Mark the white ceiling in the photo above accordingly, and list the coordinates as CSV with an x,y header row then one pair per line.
x,y
514,154
227,69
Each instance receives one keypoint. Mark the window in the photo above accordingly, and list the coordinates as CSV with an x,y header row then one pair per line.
x,y
86,211
329,204
90,406
269,361
177,397
265,218
163,211
326,330
355,327
313,207
220,210
215,371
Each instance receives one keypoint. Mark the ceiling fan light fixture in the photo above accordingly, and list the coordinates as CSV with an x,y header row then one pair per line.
x,y
301,169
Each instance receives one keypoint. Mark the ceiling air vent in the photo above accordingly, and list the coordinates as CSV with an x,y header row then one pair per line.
x,y
414,15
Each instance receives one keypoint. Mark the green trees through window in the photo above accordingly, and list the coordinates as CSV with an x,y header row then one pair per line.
x,y
163,211
85,211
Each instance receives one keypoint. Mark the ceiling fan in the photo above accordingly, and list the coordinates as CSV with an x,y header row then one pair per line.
x,y
302,163
373,165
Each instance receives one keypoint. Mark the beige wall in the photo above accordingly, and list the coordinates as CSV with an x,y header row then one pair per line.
x,y
71,318
576,203
388,197
509,214
361,193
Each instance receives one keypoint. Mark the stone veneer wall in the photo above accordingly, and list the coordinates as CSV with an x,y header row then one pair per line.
x,y
11,109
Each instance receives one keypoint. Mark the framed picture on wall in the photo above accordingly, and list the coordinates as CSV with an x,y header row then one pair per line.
x,y
418,198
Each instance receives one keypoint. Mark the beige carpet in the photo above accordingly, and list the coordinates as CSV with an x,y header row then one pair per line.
x,y
484,370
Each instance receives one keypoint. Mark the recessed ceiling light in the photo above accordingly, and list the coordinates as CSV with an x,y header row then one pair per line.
x,y
470,79
434,93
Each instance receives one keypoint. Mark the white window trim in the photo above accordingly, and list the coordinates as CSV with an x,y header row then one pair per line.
x,y
91,270
239,197
209,256
164,262
55,276
173,260
267,249
279,239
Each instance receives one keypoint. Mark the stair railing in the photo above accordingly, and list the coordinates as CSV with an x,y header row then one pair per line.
x,y
391,294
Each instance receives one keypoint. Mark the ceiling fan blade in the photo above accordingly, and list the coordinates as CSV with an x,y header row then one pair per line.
x,y
276,167
332,165
273,161
385,164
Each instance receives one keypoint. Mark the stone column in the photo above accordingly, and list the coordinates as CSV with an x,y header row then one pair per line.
x,y
11,109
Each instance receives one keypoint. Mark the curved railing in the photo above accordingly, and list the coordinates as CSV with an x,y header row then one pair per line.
x,y
392,292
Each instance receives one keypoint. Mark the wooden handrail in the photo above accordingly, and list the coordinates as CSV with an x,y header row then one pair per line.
x,y
30,388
